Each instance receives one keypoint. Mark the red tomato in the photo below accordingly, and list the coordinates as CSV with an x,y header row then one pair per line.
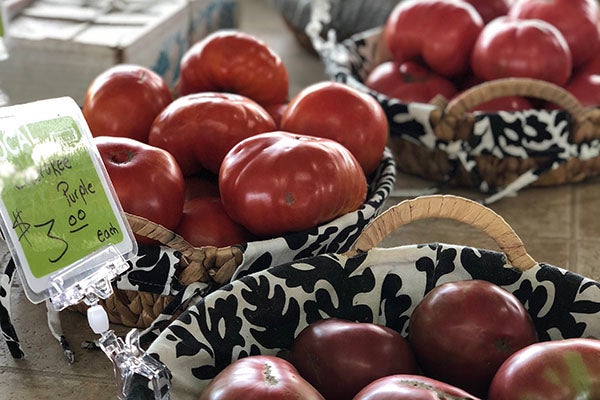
x,y
521,48
555,370
279,182
340,357
592,66
491,9
339,112
259,377
276,111
577,20
124,100
409,81
147,180
586,88
205,223
477,326
201,185
199,129
237,62
440,32
410,387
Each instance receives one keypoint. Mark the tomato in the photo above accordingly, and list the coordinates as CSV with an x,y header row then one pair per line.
x,y
491,9
410,387
259,377
586,88
276,111
521,48
592,66
237,62
201,185
577,20
278,182
409,81
462,331
124,100
340,357
146,179
205,223
199,129
555,370
440,32
339,112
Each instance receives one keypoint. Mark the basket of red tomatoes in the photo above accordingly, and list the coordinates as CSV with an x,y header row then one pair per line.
x,y
431,320
496,95
218,181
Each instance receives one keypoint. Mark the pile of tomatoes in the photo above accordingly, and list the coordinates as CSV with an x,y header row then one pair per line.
x,y
441,47
467,339
230,157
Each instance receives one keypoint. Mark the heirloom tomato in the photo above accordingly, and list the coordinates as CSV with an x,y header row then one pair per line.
x,y
236,62
521,48
409,81
410,387
203,184
146,179
565,369
491,9
276,111
200,128
577,20
339,112
205,223
259,377
279,182
439,32
462,331
340,357
124,100
585,88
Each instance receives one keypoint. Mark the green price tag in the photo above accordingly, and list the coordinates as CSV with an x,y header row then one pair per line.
x,y
56,204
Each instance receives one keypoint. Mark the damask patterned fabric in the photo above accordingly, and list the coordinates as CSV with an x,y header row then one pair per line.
x,y
261,313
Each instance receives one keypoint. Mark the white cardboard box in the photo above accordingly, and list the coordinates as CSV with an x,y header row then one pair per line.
x,y
59,46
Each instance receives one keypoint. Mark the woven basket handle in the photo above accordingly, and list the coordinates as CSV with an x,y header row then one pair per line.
x,y
154,231
452,207
454,121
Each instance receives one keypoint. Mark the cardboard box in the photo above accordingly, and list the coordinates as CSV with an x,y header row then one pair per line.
x,y
58,48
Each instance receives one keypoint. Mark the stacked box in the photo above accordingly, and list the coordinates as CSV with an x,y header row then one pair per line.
x,y
58,49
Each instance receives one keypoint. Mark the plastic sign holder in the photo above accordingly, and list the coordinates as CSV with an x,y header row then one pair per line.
x,y
64,225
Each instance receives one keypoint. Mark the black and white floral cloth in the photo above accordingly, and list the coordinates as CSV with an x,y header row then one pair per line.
x,y
261,313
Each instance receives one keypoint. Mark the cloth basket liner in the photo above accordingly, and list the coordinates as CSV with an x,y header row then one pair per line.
x,y
262,312
154,269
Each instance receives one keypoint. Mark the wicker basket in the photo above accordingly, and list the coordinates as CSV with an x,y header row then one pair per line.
x,y
262,312
498,153
184,272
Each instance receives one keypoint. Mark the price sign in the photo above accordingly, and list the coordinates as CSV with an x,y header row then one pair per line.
x,y
58,206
